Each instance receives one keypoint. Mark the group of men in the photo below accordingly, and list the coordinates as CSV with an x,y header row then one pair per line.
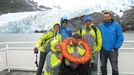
x,y
105,39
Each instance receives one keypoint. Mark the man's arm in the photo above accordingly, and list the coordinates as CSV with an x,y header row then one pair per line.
x,y
119,36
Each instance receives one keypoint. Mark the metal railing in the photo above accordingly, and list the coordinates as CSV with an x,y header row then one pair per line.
x,y
7,48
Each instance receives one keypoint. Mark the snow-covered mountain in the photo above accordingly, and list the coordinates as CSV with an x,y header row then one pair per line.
x,y
89,5
26,22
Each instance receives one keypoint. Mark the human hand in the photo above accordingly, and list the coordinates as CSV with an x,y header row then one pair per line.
x,y
57,46
60,57
114,49
35,50
91,61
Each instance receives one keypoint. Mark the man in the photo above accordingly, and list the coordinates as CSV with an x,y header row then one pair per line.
x,y
92,35
44,44
75,49
64,30
112,38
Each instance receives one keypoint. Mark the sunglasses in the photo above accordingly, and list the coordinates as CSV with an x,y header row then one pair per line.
x,y
64,22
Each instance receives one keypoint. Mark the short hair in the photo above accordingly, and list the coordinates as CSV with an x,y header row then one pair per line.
x,y
76,36
108,13
57,24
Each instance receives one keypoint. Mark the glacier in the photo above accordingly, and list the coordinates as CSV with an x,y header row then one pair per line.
x,y
28,22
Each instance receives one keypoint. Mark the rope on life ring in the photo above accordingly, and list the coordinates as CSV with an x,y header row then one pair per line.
x,y
85,58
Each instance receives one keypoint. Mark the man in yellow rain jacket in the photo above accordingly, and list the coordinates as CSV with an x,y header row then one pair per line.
x,y
44,44
92,35
75,49
53,59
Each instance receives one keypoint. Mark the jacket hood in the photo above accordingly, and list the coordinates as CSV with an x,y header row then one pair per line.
x,y
63,19
55,23
87,18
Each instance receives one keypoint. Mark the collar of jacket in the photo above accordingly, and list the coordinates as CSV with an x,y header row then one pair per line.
x,y
63,27
108,23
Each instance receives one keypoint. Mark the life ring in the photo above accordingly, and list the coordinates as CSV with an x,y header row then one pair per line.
x,y
83,59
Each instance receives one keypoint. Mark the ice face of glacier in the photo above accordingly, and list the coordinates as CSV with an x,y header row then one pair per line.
x,y
25,22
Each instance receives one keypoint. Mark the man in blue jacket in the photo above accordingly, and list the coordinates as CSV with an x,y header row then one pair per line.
x,y
65,30
112,39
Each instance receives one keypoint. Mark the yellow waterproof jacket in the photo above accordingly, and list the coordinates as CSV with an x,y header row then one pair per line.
x,y
52,63
44,42
96,47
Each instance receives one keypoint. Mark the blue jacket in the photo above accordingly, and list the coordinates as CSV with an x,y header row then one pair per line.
x,y
65,32
112,35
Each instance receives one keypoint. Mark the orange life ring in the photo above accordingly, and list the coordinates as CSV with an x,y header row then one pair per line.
x,y
83,59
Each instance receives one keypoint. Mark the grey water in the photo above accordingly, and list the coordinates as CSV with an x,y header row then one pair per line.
x,y
34,37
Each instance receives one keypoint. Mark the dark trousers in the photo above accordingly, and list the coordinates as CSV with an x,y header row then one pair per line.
x,y
89,68
94,65
113,57
41,63
80,70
